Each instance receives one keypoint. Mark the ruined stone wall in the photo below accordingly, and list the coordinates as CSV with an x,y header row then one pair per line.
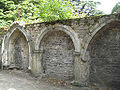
x,y
57,58
2,34
104,51
65,48
18,51
95,64
1,38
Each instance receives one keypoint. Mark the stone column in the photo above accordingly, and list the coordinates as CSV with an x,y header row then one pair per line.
x,y
77,66
36,63
80,70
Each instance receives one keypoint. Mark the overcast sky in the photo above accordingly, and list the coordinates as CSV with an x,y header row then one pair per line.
x,y
107,5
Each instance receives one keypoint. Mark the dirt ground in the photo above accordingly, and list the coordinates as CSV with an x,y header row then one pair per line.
x,y
19,80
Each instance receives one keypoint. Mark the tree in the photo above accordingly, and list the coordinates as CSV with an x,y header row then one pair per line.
x,y
86,8
44,10
34,11
17,1
7,12
116,8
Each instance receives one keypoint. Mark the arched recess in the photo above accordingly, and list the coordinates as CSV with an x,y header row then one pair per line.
x,y
57,57
104,54
17,44
93,31
63,28
67,32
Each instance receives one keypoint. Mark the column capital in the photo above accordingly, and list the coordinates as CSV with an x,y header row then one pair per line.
x,y
76,53
38,51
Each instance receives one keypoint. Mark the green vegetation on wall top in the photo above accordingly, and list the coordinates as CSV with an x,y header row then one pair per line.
x,y
33,11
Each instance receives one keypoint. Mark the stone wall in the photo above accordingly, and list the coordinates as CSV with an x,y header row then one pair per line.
x,y
18,51
71,49
104,50
58,59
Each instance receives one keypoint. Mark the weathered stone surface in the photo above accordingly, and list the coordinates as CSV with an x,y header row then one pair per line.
x,y
50,48
18,50
57,58
104,52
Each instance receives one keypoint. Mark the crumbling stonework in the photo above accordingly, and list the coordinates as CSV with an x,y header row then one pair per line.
x,y
104,52
58,59
18,50
78,49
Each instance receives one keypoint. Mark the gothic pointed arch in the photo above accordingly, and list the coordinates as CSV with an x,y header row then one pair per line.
x,y
63,28
57,45
103,51
16,44
88,38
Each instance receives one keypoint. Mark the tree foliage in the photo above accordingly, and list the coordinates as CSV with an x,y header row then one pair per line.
x,y
34,11
86,8
44,10
8,12
116,8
